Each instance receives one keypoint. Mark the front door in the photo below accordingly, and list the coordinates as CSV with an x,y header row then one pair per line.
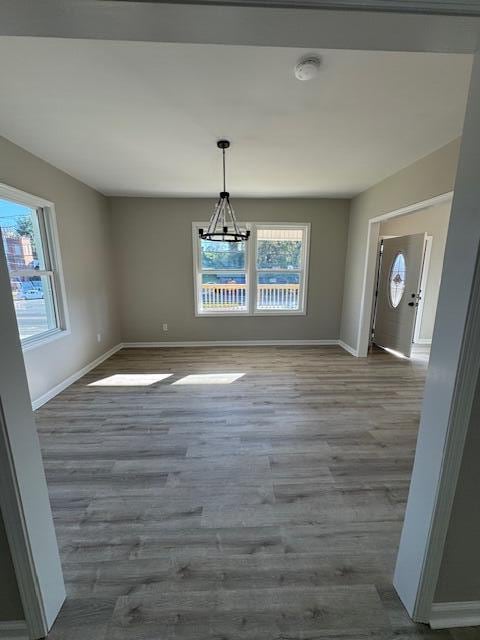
x,y
398,292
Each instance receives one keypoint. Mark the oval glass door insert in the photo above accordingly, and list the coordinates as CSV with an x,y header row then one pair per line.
x,y
398,274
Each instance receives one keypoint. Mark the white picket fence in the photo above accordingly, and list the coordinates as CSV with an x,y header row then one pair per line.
x,y
232,297
277,296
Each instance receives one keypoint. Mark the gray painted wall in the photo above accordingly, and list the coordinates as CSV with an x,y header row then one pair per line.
x,y
85,242
10,603
426,178
86,248
434,222
153,245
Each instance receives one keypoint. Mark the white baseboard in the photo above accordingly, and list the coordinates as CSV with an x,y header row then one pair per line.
x,y
348,348
232,343
423,341
446,615
14,630
51,393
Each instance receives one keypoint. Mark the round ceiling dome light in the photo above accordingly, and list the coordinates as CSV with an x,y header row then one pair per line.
x,y
307,67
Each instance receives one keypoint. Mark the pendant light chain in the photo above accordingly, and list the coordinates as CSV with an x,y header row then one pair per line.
x,y
224,180
223,226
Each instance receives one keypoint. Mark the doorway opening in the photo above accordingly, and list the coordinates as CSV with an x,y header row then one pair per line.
x,y
406,252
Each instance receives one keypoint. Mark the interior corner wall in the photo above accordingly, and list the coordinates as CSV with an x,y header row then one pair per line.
x,y
11,608
154,262
434,222
431,176
85,244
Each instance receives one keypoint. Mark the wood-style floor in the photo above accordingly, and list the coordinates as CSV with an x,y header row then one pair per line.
x,y
269,508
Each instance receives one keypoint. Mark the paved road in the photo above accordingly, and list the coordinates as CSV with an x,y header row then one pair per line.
x,y
31,317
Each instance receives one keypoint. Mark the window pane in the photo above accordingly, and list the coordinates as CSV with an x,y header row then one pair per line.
x,y
223,292
21,236
33,299
397,280
222,255
279,248
32,294
279,291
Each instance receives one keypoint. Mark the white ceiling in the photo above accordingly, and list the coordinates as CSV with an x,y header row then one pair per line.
x,y
143,118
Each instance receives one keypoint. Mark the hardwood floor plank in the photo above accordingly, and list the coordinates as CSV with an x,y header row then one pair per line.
x,y
253,613
266,509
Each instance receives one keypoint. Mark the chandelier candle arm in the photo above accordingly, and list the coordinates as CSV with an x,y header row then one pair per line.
x,y
223,226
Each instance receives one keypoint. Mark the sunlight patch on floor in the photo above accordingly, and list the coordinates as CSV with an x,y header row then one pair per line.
x,y
397,354
130,380
210,378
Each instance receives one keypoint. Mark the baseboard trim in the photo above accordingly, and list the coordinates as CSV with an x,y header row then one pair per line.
x,y
423,341
231,343
51,393
445,615
348,348
14,630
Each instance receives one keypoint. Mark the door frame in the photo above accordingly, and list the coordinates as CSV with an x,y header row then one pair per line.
x,y
423,285
371,259
289,26
24,499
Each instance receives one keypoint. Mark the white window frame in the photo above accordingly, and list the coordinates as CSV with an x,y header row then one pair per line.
x,y
198,271
251,271
51,249
302,271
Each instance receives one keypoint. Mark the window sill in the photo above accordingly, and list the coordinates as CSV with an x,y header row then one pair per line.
x,y
52,336
223,314
279,313
255,314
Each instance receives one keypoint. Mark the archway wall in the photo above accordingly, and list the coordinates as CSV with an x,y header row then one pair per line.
x,y
427,178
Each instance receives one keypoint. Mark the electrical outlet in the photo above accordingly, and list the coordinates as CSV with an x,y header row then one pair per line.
x,y
165,326
99,337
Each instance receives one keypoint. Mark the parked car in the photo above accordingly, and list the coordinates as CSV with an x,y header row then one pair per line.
x,y
27,291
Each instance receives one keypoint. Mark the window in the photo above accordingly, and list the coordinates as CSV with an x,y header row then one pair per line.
x,y
397,280
266,275
222,273
28,243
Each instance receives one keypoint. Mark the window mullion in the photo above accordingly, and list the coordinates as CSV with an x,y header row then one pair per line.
x,y
279,270
30,273
252,276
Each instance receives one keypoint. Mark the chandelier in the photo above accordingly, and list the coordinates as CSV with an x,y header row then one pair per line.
x,y
223,226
